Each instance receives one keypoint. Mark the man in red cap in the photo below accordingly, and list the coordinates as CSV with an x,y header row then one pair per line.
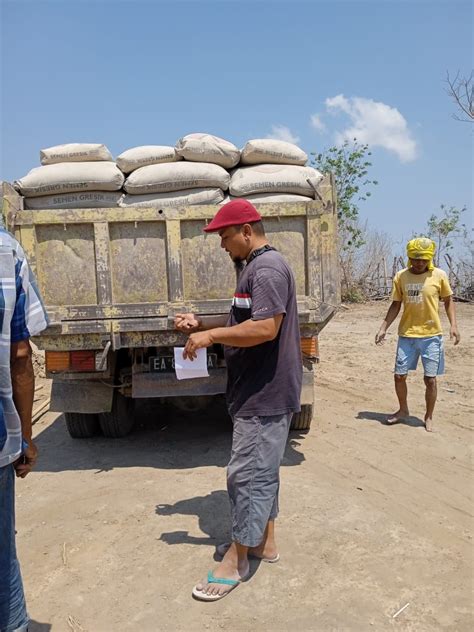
x,y
261,341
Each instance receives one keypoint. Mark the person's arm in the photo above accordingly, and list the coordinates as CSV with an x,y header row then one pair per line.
x,y
451,314
247,334
23,386
28,319
189,323
392,313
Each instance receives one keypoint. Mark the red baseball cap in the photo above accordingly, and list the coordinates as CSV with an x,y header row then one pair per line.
x,y
233,213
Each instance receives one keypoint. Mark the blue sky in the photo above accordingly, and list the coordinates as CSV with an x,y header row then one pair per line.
x,y
148,72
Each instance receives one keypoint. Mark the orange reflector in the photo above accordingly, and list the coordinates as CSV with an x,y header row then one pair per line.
x,y
310,346
57,361
83,360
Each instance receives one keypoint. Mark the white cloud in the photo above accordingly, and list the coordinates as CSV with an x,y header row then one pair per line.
x,y
280,132
317,123
374,123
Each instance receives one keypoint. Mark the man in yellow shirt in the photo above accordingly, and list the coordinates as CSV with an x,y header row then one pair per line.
x,y
419,287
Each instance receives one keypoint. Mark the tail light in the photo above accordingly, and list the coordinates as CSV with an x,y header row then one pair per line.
x,y
76,361
57,361
310,347
82,360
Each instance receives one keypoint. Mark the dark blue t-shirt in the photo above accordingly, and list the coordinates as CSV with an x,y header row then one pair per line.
x,y
265,379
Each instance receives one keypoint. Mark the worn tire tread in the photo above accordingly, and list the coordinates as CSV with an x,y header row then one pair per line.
x,y
119,421
82,425
303,419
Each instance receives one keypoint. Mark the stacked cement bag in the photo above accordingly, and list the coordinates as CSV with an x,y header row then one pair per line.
x,y
188,197
274,171
194,171
200,176
72,176
145,155
208,148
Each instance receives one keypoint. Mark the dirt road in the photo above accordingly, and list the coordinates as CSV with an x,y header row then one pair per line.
x,y
112,535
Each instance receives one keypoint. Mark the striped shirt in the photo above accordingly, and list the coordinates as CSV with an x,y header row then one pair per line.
x,y
21,315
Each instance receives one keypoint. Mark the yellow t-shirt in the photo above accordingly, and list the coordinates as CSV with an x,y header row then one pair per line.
x,y
420,294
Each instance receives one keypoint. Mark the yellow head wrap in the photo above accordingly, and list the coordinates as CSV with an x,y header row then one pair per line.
x,y
421,248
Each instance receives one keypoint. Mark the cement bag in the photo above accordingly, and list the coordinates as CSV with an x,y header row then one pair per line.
x,y
175,176
86,199
138,157
277,198
274,179
74,152
189,197
69,177
208,148
267,150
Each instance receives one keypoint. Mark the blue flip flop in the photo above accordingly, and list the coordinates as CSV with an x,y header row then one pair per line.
x,y
233,583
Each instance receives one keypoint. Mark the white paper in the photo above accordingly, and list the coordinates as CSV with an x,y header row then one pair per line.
x,y
186,369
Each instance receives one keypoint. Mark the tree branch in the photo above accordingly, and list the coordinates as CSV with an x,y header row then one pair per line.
x,y
461,91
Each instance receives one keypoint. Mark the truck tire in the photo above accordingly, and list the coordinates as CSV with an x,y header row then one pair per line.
x,y
303,419
119,422
81,425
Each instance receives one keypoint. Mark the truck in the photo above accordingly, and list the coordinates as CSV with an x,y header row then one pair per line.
x,y
113,279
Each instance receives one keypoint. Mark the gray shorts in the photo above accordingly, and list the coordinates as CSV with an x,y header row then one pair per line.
x,y
253,474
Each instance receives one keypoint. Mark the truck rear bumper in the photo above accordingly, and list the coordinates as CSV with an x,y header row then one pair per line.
x,y
166,385
94,396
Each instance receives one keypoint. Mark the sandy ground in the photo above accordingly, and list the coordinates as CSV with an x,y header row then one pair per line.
x,y
112,535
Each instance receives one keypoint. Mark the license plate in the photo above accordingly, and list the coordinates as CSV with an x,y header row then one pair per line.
x,y
165,364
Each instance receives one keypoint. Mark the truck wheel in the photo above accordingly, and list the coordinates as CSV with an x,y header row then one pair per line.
x,y
303,419
119,422
81,425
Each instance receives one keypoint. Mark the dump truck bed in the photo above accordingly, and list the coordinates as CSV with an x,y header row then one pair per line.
x,y
121,274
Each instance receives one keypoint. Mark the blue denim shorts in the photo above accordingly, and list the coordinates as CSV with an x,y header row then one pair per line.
x,y
430,349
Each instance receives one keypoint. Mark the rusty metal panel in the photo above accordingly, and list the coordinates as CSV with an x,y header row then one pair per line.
x,y
208,272
138,262
287,235
65,264
175,272
329,263
69,342
102,257
313,258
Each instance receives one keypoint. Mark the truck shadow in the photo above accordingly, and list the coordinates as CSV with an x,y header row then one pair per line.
x,y
163,437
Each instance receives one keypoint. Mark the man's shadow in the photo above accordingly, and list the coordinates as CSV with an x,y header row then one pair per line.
x,y
368,415
36,626
213,512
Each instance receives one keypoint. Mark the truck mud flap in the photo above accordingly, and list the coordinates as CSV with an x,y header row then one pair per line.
x,y
307,390
81,396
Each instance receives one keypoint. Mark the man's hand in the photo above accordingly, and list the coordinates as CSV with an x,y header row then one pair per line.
x,y
27,460
197,341
455,335
380,336
187,323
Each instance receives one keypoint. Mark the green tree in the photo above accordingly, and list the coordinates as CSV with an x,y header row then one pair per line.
x,y
350,164
445,228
